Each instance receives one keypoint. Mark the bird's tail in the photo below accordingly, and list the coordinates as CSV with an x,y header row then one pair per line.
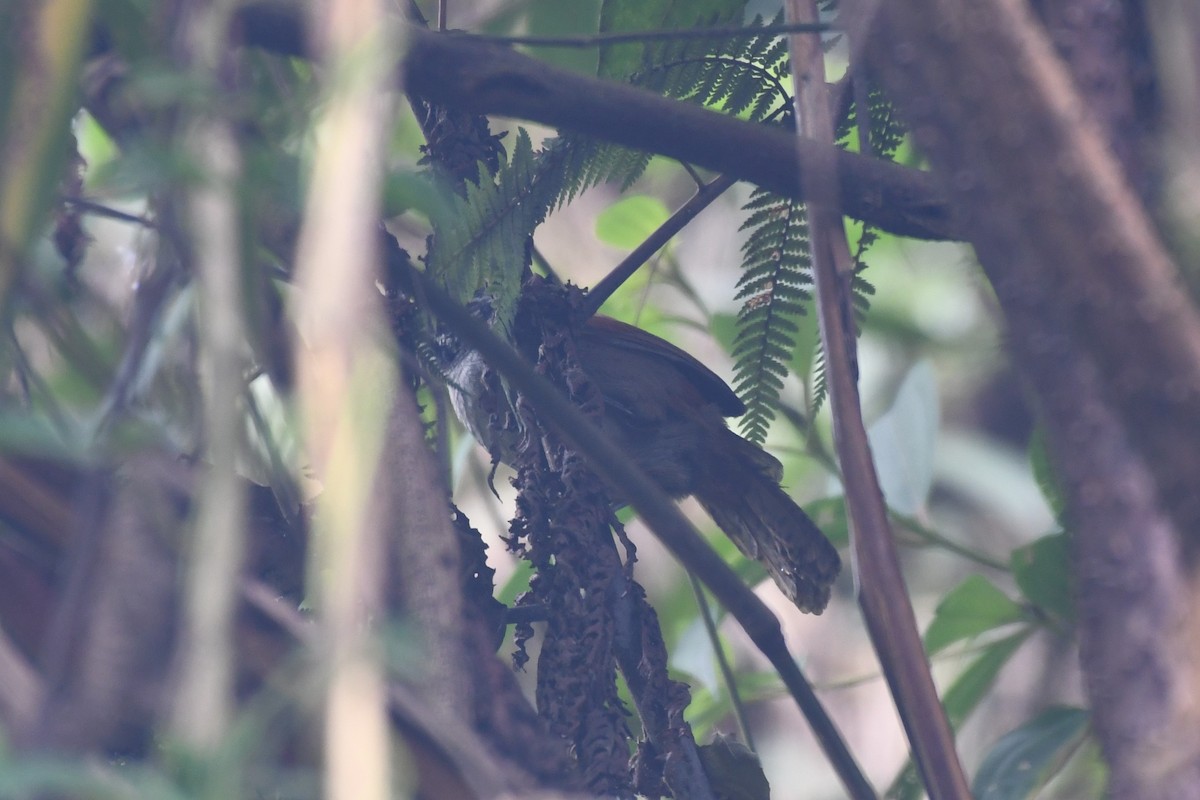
x,y
744,498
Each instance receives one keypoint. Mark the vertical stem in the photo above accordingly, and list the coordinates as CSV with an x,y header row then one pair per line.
x,y
346,383
882,593
205,701
49,37
727,676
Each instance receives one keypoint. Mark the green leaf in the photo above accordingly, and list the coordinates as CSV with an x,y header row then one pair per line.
x,y
627,222
970,687
971,608
481,238
963,696
517,583
1042,571
1024,760
829,514
1043,473
95,145
734,770
774,285
903,440
405,190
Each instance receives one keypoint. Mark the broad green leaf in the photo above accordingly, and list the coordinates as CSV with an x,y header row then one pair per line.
x,y
1042,571
1025,759
95,145
970,687
963,696
410,191
630,220
903,439
971,608
517,583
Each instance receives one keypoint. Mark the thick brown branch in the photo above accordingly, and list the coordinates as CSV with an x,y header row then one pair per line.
x,y
464,73
1052,221
1105,332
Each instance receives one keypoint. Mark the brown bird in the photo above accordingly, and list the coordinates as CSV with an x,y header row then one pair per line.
x,y
667,411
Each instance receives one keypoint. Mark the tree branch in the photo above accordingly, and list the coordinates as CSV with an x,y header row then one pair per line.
x,y
462,72
661,515
1054,224
1108,337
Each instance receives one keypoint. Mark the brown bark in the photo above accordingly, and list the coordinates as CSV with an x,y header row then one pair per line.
x,y
1101,325
471,75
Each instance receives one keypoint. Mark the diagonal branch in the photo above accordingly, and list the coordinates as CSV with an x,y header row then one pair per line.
x,y
661,515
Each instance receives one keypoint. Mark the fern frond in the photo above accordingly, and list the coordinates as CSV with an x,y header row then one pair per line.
x,y
775,287
741,76
861,291
885,133
481,238
820,389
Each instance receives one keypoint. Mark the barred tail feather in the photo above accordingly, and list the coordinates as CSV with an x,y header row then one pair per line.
x,y
747,503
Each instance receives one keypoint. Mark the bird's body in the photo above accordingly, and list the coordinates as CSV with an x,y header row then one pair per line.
x,y
667,411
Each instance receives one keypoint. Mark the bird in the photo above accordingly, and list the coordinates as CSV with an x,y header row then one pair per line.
x,y
667,411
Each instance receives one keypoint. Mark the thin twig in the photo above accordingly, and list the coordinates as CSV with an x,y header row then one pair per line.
x,y
605,39
694,174
101,210
727,676
153,294
631,263
540,259
936,539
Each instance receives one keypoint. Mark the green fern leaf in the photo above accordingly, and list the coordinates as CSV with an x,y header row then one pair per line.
x,y
820,386
742,76
775,283
480,238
